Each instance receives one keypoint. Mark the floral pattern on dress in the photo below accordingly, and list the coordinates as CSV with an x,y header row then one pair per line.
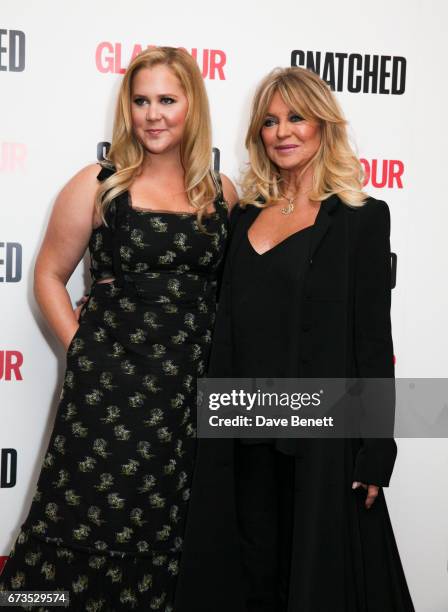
x,y
109,510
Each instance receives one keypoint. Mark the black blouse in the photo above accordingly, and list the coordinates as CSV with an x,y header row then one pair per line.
x,y
266,296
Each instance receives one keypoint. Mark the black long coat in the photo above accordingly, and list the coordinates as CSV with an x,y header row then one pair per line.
x,y
344,557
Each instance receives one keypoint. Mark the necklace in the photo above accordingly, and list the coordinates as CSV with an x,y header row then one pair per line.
x,y
287,210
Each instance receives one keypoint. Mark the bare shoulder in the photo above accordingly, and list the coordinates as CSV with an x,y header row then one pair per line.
x,y
75,204
83,183
229,190
77,197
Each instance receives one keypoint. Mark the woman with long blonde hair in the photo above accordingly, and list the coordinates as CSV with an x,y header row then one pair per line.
x,y
108,516
301,524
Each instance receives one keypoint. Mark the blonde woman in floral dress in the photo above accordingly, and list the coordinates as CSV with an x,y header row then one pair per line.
x,y
107,520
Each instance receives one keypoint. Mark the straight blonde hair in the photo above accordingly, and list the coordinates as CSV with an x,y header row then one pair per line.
x,y
126,153
336,168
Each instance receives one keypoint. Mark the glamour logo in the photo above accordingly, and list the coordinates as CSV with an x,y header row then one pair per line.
x,y
102,149
12,156
109,56
383,173
12,50
10,262
8,468
355,73
10,364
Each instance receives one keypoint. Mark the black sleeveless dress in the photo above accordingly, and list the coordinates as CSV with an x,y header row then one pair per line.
x,y
107,519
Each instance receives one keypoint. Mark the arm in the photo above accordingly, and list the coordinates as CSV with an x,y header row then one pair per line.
x,y
64,245
373,337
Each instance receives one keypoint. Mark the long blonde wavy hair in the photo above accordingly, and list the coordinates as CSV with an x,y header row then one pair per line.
x,y
126,153
336,168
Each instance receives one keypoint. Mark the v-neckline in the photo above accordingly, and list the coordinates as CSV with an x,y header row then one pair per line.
x,y
273,248
284,239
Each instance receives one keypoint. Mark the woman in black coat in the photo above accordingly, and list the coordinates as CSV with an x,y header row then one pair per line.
x,y
298,525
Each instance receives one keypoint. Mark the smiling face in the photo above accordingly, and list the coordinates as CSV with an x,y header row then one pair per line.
x,y
289,140
159,108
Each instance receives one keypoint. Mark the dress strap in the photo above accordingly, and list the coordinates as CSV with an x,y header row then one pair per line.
x,y
106,171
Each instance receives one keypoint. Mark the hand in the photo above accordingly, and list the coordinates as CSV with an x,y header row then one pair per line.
x,y
372,492
77,310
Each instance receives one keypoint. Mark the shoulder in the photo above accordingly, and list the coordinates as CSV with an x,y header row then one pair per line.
x,y
375,208
237,214
229,191
373,215
84,180
371,209
77,197
376,215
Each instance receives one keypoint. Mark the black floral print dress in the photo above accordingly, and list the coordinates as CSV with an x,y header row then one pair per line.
x,y
108,515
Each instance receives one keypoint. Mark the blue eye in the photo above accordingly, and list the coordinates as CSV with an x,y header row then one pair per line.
x,y
139,101
269,122
167,100
295,118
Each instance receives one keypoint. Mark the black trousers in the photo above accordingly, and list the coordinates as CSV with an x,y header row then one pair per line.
x,y
265,509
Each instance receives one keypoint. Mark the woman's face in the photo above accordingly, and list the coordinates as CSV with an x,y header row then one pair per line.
x,y
289,140
158,109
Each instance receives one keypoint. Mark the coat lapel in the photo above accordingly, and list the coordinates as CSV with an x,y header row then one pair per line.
x,y
321,226
323,223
